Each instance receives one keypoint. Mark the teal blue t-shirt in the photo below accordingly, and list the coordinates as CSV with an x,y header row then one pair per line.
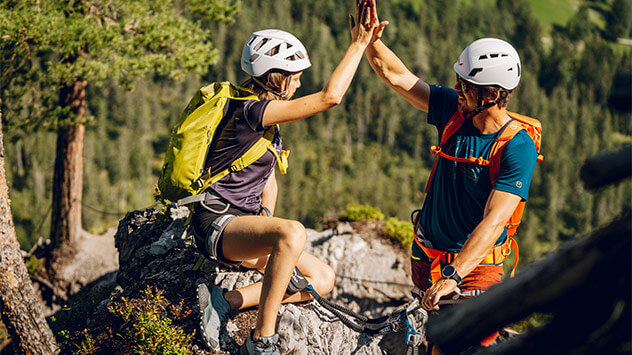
x,y
459,191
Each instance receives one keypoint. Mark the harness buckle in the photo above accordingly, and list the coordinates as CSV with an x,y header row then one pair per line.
x,y
237,165
506,251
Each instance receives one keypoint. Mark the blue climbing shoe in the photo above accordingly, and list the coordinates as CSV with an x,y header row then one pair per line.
x,y
263,346
214,309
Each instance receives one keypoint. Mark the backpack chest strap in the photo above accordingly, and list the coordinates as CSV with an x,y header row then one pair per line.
x,y
436,150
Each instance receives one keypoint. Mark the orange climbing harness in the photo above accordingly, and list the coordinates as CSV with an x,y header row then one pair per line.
x,y
495,257
498,254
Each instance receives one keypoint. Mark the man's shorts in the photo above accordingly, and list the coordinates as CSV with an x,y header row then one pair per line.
x,y
208,228
481,278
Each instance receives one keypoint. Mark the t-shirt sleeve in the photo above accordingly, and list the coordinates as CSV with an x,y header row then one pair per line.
x,y
441,106
517,165
253,112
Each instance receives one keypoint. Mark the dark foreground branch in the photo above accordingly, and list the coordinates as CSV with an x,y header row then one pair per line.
x,y
581,277
607,168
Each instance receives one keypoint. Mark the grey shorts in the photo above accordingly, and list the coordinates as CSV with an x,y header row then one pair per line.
x,y
210,240
208,228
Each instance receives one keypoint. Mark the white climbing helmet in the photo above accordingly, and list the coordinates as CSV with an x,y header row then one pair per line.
x,y
490,61
273,49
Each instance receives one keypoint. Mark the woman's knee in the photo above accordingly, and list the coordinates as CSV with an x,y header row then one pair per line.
x,y
325,280
292,235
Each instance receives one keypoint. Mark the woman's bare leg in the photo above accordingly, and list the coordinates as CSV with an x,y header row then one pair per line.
x,y
251,237
319,274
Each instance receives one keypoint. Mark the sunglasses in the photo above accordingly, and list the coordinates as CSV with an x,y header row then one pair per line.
x,y
464,85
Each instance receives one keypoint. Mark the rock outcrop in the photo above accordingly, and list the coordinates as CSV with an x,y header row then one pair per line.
x,y
372,278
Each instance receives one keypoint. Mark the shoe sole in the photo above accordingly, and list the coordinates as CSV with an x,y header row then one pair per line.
x,y
204,294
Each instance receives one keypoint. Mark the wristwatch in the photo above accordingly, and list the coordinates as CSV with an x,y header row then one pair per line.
x,y
449,272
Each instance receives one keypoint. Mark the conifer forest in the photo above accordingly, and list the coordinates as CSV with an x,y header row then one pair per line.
x,y
372,149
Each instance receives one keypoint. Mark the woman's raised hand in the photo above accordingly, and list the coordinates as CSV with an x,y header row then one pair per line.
x,y
378,27
363,28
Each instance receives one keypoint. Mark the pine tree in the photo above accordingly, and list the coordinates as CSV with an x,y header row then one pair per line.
x,y
20,308
61,47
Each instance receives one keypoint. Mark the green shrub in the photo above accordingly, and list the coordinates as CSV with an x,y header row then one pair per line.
x,y
357,212
147,328
401,231
87,344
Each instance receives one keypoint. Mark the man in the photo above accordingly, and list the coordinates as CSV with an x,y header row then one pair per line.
x,y
462,224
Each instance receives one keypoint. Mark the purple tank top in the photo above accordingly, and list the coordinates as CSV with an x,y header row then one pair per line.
x,y
242,129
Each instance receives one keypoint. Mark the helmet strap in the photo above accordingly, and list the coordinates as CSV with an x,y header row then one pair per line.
x,y
282,94
480,107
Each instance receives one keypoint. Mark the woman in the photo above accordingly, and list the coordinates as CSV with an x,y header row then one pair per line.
x,y
242,230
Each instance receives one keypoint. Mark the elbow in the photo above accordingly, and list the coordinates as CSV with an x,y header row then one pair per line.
x,y
331,99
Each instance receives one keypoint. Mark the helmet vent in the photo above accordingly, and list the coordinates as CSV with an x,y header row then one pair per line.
x,y
504,55
254,57
273,51
475,71
260,44
495,55
296,56
484,56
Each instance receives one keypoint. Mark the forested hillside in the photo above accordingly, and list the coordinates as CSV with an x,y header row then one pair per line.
x,y
374,147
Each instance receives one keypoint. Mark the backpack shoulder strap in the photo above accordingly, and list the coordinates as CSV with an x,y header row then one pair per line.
x,y
508,132
253,154
454,123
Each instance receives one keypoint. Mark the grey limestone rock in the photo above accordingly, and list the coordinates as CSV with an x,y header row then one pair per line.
x,y
372,278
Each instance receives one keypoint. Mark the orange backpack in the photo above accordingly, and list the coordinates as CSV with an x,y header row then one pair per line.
x,y
534,128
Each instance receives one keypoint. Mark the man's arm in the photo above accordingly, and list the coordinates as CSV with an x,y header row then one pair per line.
x,y
269,193
393,71
498,209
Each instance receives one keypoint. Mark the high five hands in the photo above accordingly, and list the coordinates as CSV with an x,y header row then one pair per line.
x,y
368,28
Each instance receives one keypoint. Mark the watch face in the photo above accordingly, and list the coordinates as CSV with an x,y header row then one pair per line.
x,y
448,271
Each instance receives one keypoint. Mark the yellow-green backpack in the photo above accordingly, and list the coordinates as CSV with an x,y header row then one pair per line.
x,y
184,176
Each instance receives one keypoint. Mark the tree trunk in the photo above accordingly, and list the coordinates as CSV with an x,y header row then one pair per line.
x,y
68,179
20,308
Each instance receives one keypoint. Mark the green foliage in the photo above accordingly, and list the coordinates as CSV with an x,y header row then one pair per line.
x,y
33,265
51,44
87,344
554,12
536,320
69,324
373,147
402,231
357,212
148,329
619,20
